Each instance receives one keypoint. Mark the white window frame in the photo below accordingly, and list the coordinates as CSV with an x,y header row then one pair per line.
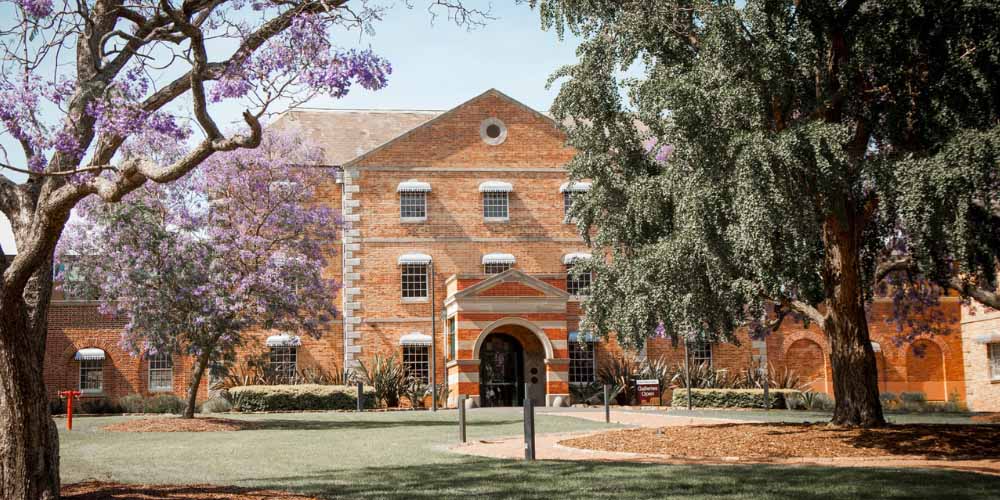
x,y
160,365
416,202
413,288
493,202
567,205
698,350
575,282
283,362
993,359
92,365
582,359
417,361
496,267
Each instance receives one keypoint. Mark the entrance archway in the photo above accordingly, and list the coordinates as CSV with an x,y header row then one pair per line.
x,y
501,371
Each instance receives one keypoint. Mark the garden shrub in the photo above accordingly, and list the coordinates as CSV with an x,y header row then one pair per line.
x,y
387,376
216,405
57,406
890,401
297,397
164,403
821,402
98,406
732,398
132,403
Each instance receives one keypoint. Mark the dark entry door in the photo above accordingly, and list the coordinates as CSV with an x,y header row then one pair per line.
x,y
501,371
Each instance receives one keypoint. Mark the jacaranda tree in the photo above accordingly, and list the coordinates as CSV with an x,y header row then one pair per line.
x,y
87,86
778,159
238,245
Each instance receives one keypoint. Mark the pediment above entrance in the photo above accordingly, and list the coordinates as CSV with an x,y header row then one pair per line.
x,y
508,292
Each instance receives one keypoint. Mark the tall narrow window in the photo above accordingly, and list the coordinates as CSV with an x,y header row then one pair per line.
x,y
567,204
283,363
161,373
416,362
701,353
91,376
453,345
413,205
576,283
994,355
495,205
414,281
581,362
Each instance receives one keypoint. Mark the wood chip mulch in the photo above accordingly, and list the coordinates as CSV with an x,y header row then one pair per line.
x,y
987,418
175,424
800,440
94,490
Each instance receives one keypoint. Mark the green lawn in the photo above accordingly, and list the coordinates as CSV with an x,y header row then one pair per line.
x,y
402,455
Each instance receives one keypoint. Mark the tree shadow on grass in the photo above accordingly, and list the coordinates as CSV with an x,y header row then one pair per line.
x,y
323,425
487,478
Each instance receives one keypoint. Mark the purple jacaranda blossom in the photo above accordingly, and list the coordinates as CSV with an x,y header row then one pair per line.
x,y
660,152
36,9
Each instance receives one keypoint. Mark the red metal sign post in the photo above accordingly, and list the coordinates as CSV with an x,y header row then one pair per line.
x,y
69,395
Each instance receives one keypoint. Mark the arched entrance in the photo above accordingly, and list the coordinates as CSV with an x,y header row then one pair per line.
x,y
501,371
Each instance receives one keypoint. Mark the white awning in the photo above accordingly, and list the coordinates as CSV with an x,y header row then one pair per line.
x,y
499,258
89,354
574,187
575,256
415,338
414,258
988,338
584,336
283,340
876,347
413,186
495,187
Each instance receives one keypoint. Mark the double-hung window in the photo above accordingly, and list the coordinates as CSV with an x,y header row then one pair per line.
x,y
417,362
582,362
283,363
161,373
569,191
496,263
994,358
91,376
701,353
413,200
414,280
496,200
577,283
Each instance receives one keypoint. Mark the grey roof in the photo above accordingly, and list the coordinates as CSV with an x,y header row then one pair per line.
x,y
346,134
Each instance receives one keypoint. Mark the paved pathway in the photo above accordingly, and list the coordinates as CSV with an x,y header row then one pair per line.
x,y
547,447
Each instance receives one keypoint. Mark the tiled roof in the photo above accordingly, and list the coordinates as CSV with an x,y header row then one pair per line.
x,y
345,134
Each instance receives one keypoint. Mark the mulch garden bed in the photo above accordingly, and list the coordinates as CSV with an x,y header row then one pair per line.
x,y
754,441
107,491
174,424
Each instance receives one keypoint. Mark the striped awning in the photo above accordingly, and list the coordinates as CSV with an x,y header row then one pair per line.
x,y
413,186
415,338
575,256
283,340
499,258
495,187
414,258
574,187
988,338
89,354
582,336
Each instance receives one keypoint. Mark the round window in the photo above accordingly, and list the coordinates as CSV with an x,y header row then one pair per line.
x,y
493,131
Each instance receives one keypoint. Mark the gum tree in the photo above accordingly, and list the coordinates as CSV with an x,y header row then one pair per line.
x,y
84,84
193,265
777,160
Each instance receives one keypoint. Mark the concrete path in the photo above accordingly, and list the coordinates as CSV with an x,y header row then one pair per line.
x,y
547,447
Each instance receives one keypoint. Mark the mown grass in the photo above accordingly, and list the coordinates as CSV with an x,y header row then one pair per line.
x,y
403,455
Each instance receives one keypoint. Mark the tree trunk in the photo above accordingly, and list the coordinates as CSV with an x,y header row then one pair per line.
x,y
855,377
29,441
196,376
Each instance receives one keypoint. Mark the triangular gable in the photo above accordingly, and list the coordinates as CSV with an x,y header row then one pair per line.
x,y
513,279
451,136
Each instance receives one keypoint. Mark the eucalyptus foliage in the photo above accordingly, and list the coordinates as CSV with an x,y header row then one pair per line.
x,y
778,159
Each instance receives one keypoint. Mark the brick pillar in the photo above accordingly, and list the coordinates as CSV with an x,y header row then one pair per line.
x,y
463,380
557,382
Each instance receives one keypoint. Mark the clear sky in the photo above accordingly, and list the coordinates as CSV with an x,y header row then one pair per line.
x,y
439,66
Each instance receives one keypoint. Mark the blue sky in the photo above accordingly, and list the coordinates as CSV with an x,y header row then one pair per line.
x,y
439,66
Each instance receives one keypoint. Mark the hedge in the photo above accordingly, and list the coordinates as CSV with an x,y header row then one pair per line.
x,y
297,397
731,398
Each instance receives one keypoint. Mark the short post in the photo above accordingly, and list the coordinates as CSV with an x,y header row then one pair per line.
x,y
607,404
687,374
529,425
69,395
461,417
361,397
767,394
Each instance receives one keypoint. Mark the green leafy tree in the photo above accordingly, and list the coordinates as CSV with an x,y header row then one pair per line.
x,y
777,160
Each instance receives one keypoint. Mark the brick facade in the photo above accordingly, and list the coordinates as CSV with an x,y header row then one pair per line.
x,y
454,153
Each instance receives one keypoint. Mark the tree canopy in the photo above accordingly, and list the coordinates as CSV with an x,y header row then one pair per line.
x,y
778,159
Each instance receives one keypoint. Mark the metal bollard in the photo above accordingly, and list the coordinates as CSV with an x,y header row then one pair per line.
x,y
461,418
529,424
607,404
361,397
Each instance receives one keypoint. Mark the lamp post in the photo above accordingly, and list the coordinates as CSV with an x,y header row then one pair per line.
x,y
434,391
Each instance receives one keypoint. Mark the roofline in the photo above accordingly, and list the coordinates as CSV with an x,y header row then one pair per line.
x,y
363,110
441,116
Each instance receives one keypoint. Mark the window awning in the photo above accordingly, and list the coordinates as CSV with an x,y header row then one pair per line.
x,y
876,347
988,338
574,187
413,186
283,340
582,336
573,257
495,187
414,258
89,354
499,258
415,338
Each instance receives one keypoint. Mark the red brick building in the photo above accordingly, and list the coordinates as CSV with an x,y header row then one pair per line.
x,y
457,234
